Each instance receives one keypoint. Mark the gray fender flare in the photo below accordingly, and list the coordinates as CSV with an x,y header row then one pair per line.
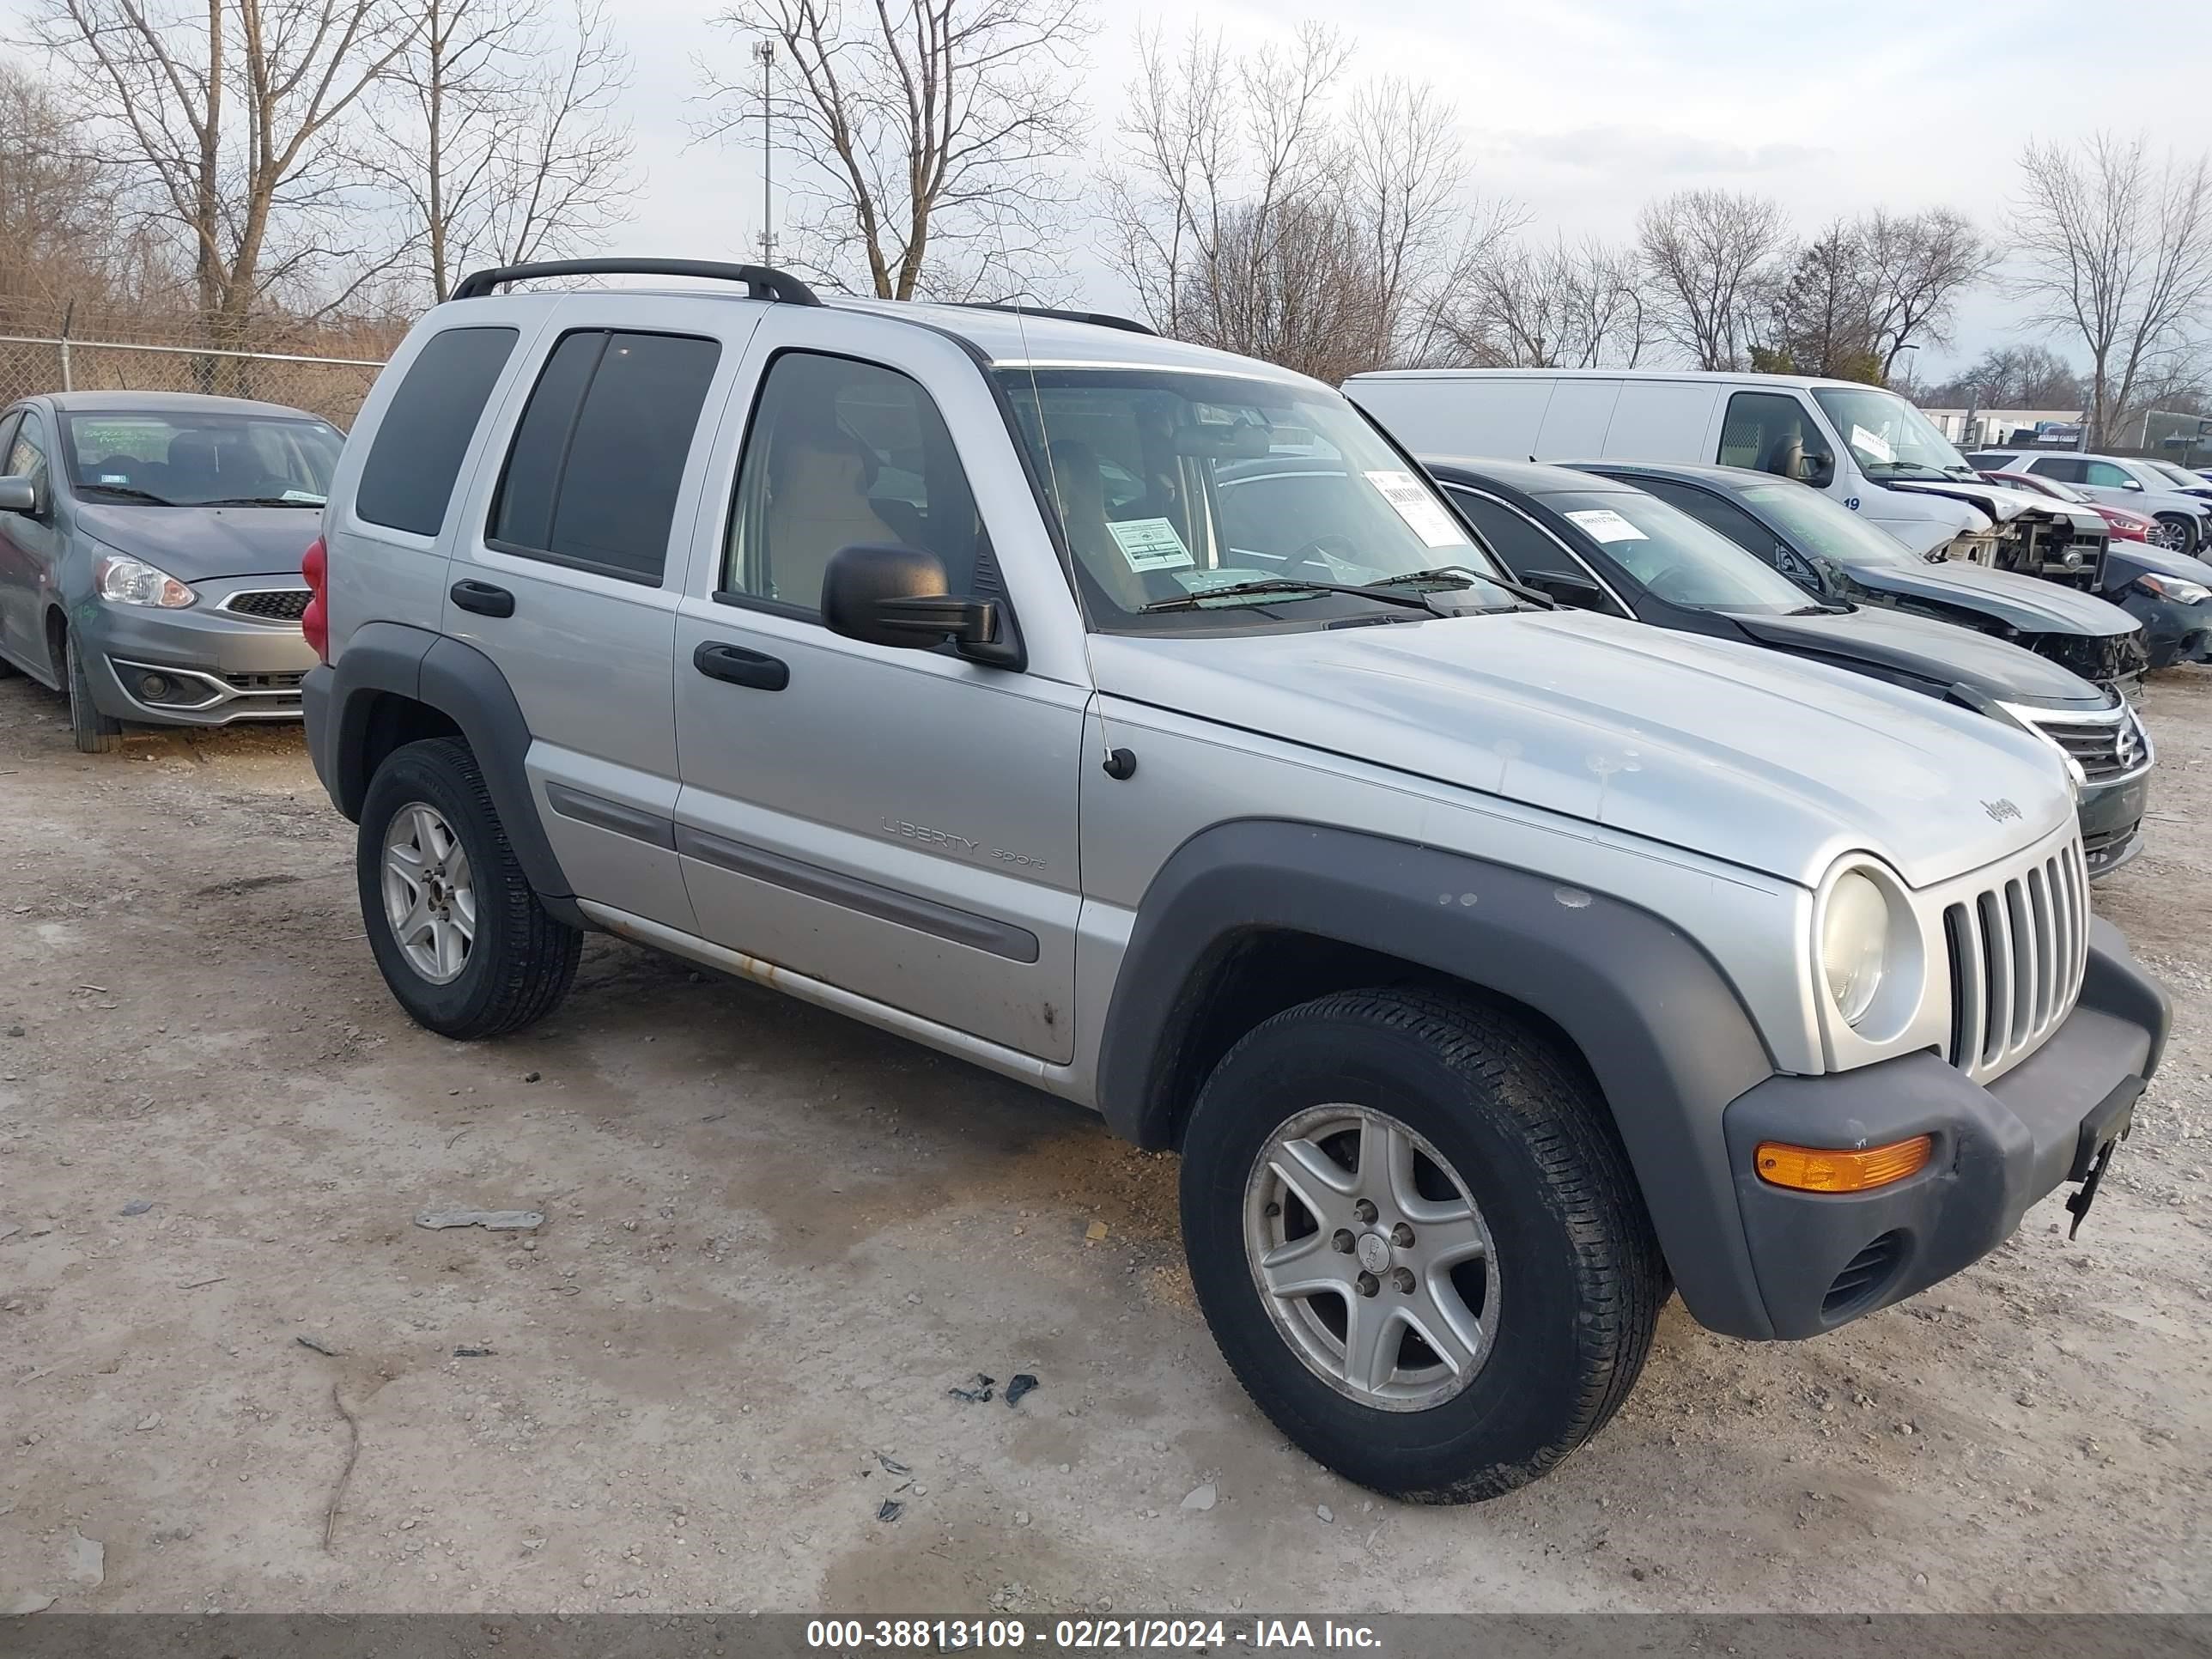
x,y
1666,1035
466,686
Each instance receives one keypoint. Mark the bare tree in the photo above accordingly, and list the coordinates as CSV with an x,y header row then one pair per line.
x,y
1254,214
1710,255
2118,252
496,135
1917,265
1562,306
926,133
225,119
51,217
2010,377
1823,320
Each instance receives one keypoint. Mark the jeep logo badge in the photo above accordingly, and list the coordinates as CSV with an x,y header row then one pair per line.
x,y
2000,809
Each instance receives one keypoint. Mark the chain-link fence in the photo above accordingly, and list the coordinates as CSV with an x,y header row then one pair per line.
x,y
329,386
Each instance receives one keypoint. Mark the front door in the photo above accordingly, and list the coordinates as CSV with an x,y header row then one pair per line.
x,y
899,824
29,546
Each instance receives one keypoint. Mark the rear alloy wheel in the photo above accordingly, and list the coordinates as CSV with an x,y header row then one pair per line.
x,y
2178,532
96,734
463,944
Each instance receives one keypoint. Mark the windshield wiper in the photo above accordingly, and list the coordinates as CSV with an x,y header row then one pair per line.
x,y
1460,576
252,500
127,491
1288,585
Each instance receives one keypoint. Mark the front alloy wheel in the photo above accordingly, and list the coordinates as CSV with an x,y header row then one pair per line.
x,y
1370,1257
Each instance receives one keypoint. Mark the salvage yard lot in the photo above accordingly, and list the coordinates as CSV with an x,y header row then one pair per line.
x,y
774,1240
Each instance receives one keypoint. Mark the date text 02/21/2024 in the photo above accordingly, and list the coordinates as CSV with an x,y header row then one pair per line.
x,y
1085,1634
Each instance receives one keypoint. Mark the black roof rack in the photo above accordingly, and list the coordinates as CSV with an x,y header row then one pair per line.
x,y
1103,319
762,282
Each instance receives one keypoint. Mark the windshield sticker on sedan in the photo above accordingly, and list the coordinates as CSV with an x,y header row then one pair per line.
x,y
306,498
1871,444
1150,544
1425,515
1605,525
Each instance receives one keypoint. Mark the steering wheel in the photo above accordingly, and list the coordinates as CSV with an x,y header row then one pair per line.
x,y
1319,551
1669,584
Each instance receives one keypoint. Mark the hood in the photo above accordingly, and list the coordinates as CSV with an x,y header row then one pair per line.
x,y
1999,505
2124,561
199,543
1941,652
2026,602
1721,747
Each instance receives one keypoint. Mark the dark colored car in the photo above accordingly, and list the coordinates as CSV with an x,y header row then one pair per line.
x,y
149,555
1605,543
2169,593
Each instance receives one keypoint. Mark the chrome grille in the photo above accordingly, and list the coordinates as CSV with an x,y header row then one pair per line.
x,y
2106,748
269,603
2018,951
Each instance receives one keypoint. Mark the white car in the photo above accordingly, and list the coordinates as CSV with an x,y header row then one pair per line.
x,y
2183,511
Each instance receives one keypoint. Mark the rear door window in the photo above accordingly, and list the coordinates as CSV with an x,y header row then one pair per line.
x,y
598,456
2064,468
408,479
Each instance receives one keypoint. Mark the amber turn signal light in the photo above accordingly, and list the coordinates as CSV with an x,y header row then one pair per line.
x,y
1823,1170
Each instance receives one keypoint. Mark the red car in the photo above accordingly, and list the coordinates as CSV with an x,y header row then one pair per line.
x,y
2124,524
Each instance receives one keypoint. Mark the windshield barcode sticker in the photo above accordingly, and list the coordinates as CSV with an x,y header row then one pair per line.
x,y
1150,544
1425,515
1605,525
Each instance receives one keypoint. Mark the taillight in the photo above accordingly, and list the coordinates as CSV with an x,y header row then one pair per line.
x,y
314,620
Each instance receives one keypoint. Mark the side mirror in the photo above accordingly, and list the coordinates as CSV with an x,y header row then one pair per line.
x,y
19,495
1820,470
1579,593
897,596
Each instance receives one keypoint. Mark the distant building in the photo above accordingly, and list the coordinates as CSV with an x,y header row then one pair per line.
x,y
1990,428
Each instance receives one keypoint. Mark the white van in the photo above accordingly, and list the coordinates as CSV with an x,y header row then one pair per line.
x,y
1869,448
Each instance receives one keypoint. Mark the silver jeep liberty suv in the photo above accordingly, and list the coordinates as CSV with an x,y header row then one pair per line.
x,y
1495,970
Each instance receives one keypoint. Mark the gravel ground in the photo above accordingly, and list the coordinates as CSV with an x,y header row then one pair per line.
x,y
775,1239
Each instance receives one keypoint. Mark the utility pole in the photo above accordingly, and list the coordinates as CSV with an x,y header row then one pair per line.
x,y
764,49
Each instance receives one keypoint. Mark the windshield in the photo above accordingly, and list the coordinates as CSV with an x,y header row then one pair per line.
x,y
2181,476
189,459
1170,485
1889,438
2054,487
1674,556
1813,524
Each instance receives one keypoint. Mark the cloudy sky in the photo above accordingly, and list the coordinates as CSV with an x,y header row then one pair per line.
x,y
1581,111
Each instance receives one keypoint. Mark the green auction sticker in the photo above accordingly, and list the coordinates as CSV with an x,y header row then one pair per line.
x,y
1150,544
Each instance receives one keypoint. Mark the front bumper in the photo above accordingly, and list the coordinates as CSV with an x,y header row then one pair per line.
x,y
2173,633
2111,816
202,665
1822,1260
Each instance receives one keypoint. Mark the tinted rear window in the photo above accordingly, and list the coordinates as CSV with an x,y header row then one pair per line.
x,y
599,454
416,454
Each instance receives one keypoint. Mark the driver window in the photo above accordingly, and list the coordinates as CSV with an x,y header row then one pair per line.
x,y
27,455
1768,432
2104,476
842,453
1525,549
1738,526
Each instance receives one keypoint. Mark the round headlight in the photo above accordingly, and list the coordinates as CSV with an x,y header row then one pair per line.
x,y
1854,944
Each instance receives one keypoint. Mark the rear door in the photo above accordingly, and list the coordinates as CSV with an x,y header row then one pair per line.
x,y
900,824
568,566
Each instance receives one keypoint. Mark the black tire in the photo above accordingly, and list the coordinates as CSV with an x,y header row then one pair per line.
x,y
522,960
2183,528
1580,1276
96,734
